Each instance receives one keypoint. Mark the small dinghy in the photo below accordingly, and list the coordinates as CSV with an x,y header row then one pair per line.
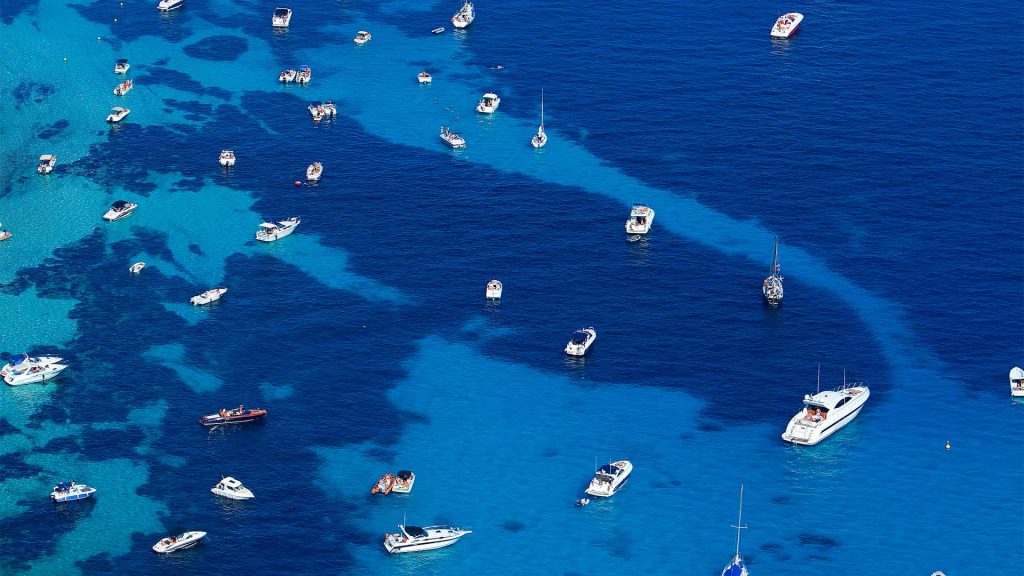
x,y
493,291
633,238
137,267
46,164
314,171
121,66
384,484
304,75
208,296
123,88
228,487
65,492
179,542
583,502
239,415
4,234
287,76
438,30
362,37
227,158
117,114
424,77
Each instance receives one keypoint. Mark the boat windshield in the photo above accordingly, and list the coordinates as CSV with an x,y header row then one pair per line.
x,y
282,12
415,531
580,337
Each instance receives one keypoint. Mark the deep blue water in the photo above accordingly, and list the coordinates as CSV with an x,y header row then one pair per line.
x,y
881,144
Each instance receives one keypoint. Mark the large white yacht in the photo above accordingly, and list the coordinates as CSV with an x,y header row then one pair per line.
x,y
1016,382
451,138
282,17
23,369
465,16
494,288
488,103
417,539
771,287
786,25
610,478
641,217
269,231
825,413
179,542
228,487
581,341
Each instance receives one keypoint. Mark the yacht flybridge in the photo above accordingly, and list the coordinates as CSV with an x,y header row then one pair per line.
x,y
641,217
610,478
825,413
228,487
417,539
464,17
24,369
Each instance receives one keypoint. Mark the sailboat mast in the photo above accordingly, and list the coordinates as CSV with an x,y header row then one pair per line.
x,y
739,522
775,258
542,107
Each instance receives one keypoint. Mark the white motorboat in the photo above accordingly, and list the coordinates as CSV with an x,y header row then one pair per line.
x,y
121,66
320,110
137,267
168,5
494,290
452,139
46,164
68,492
304,75
540,138
123,88
771,287
179,542
403,482
282,17
417,539
119,209
825,413
117,114
581,341
641,217
362,37
488,103
287,76
465,16
424,77
787,24
228,487
1016,382
610,478
23,369
227,158
314,171
208,296
270,231
738,567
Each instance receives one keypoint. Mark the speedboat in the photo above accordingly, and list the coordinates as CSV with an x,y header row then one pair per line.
x,y
123,88
488,103
738,567
771,287
137,267
118,113
319,110
610,478
46,164
119,209
1016,382
424,77
786,25
494,290
417,539
270,231
437,30
540,138
238,415
23,369
825,413
452,139
65,492
314,171
403,482
465,16
228,487
168,5
384,484
281,18
287,76
121,66
179,542
208,296
581,341
362,37
227,158
640,219
304,75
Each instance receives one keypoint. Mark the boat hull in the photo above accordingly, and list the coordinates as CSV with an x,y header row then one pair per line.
x,y
49,373
800,433
59,497
218,420
422,547
189,540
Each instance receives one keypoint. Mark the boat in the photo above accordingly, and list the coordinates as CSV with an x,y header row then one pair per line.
x,y
826,413
771,287
465,16
123,88
488,103
403,482
787,24
118,113
168,5
228,487
417,539
281,18
319,110
67,492
633,238
610,478
46,164
25,369
452,139
581,341
119,209
1016,382
424,77
493,291
287,76
304,75
437,30
540,138
270,231
121,66
137,267
641,217
314,171
583,502
239,415
208,296
4,234
362,37
227,158
738,567
179,542
384,484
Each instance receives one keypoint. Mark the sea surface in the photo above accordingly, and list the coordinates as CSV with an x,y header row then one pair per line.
x,y
882,144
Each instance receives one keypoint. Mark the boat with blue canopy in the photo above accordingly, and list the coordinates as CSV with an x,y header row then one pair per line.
x,y
68,491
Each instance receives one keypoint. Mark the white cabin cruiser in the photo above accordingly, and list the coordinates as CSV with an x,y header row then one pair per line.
x,y
121,66
117,114
464,17
417,539
1016,382
786,25
68,492
208,296
179,542
452,139
488,103
314,171
641,217
304,75
119,209
610,478
123,88
46,164
228,487
23,369
137,267
287,76
540,138
270,231
825,413
581,341
424,77
227,158
168,5
494,290
362,37
282,17
771,287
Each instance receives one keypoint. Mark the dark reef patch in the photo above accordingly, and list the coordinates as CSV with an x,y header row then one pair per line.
x,y
34,91
820,541
218,48
54,129
513,526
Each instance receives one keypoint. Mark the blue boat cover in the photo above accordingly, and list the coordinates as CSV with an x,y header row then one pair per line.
x,y
580,337
63,487
21,358
734,569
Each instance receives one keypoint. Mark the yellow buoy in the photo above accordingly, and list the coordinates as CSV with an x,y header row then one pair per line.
x,y
948,447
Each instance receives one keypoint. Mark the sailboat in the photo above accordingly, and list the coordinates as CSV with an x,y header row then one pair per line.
x,y
771,288
738,567
540,138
